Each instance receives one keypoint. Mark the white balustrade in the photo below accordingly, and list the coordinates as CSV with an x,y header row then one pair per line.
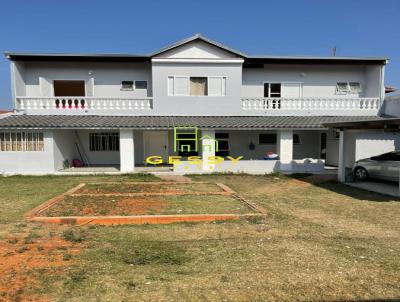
x,y
320,103
84,103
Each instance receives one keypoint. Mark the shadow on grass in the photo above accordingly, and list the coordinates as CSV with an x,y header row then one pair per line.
x,y
328,183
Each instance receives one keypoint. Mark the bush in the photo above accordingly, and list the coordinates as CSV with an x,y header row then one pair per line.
x,y
73,235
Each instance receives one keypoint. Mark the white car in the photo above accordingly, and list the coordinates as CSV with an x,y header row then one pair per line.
x,y
385,166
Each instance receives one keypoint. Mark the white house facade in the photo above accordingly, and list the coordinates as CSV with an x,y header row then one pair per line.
x,y
123,111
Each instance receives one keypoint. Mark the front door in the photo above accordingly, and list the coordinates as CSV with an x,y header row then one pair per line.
x,y
156,144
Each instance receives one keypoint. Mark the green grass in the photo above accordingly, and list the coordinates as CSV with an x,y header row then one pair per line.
x,y
325,242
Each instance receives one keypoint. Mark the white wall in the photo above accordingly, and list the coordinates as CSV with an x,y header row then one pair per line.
x,y
107,76
64,147
374,143
197,105
98,157
318,80
30,162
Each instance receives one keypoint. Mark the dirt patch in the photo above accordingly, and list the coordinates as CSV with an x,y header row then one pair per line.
x,y
153,188
177,178
22,259
142,206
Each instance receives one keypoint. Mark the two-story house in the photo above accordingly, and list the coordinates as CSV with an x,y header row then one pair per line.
x,y
123,111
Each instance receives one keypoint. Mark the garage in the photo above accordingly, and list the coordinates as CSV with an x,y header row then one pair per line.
x,y
367,154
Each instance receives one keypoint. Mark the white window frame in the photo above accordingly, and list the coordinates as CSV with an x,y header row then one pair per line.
x,y
172,93
128,89
348,89
147,84
22,142
281,83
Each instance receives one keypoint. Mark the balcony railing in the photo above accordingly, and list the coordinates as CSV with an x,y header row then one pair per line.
x,y
66,103
308,104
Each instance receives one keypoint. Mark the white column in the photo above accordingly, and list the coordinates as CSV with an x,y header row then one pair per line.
x,y
207,141
285,149
342,157
126,151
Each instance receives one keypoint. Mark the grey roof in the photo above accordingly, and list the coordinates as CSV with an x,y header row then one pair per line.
x,y
201,38
374,123
169,122
27,56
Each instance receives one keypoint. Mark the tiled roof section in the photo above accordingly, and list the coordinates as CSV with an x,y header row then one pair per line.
x,y
168,122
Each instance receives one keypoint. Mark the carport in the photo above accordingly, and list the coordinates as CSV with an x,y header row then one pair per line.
x,y
363,139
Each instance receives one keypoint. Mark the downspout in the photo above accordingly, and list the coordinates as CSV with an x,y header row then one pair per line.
x,y
13,88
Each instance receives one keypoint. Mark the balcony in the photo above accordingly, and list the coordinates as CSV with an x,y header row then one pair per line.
x,y
320,105
76,105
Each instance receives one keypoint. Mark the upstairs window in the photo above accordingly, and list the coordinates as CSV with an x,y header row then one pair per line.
x,y
140,84
196,86
272,90
127,85
348,87
354,87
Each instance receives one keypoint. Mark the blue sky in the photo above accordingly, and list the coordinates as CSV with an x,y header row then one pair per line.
x,y
309,27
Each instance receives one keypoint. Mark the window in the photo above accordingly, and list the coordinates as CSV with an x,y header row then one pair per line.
x,y
348,87
69,88
107,141
393,156
196,86
272,90
267,138
341,87
354,87
127,85
296,139
140,84
21,141
223,144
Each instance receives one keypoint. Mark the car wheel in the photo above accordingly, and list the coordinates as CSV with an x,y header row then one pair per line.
x,y
360,173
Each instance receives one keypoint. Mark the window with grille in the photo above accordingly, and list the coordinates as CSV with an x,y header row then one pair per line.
x,y
21,141
224,147
104,141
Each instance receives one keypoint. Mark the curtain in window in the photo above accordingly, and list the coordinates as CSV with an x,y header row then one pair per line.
x,y
198,86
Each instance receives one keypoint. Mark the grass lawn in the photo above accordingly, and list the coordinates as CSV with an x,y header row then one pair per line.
x,y
321,242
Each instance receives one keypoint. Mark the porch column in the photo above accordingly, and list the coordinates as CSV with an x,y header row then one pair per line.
x,y
126,151
285,149
207,148
342,156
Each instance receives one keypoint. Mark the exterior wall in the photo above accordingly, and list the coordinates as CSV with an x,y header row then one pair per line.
x,y
318,80
107,76
98,157
332,149
197,105
30,162
391,106
64,147
374,143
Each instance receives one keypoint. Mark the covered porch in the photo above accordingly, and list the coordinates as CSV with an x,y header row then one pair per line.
x,y
210,150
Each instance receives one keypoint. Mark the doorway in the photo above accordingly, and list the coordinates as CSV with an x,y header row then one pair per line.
x,y
156,144
69,88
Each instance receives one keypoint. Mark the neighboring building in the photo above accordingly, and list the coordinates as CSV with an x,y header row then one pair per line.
x,y
117,110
